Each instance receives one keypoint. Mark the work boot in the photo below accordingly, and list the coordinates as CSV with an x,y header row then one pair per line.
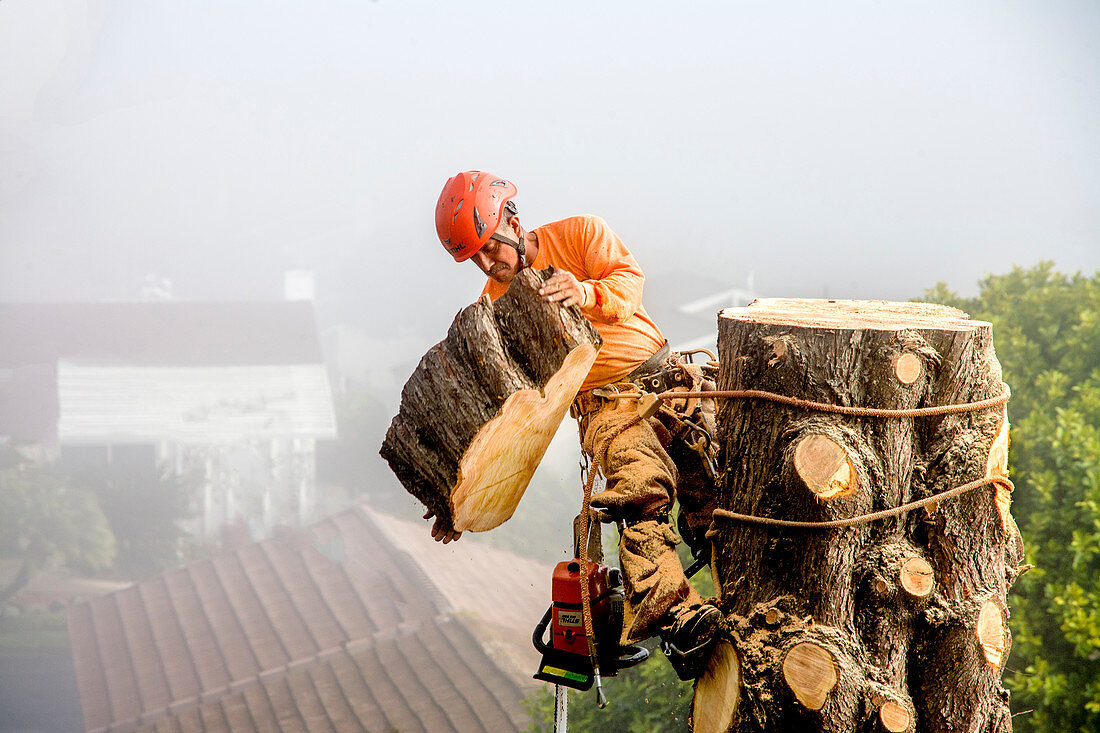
x,y
687,641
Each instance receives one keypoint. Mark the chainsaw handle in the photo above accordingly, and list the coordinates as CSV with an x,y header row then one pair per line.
x,y
540,629
631,656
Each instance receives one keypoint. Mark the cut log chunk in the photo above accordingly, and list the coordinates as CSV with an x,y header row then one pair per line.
x,y
811,673
824,467
717,691
895,717
478,413
916,577
991,633
496,468
997,462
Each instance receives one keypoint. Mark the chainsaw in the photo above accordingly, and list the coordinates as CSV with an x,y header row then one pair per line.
x,y
566,658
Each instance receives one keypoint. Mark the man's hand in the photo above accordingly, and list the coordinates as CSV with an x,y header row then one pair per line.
x,y
442,531
565,288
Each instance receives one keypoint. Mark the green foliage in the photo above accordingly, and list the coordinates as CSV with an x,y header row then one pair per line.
x,y
144,511
47,630
1047,333
45,520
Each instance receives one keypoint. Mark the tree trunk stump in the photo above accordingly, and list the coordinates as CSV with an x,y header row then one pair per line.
x,y
481,408
897,624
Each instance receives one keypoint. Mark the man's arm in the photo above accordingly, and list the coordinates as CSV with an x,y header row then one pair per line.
x,y
611,290
614,276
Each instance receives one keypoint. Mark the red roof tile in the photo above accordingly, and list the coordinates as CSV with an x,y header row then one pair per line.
x,y
336,628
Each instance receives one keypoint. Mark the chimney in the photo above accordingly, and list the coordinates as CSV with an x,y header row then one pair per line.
x,y
298,285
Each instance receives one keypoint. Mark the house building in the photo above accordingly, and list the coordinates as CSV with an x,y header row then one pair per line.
x,y
686,305
359,622
231,395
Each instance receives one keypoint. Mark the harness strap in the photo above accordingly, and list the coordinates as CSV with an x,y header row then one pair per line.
x,y
652,364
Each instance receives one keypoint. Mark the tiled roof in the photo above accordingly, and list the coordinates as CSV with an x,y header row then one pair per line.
x,y
333,628
160,333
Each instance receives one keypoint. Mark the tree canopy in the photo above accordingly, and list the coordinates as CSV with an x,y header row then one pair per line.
x,y
45,520
1046,327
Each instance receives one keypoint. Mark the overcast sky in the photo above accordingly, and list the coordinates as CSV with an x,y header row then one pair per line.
x,y
854,149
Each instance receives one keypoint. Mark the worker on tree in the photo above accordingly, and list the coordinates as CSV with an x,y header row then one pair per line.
x,y
477,220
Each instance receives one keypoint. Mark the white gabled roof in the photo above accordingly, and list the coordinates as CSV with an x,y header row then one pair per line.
x,y
192,404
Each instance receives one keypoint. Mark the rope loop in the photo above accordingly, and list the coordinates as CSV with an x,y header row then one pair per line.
x,y
757,394
863,518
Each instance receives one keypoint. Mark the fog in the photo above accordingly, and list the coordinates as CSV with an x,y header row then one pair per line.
x,y
845,149
849,150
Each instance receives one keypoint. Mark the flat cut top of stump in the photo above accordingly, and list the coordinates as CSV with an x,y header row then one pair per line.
x,y
879,315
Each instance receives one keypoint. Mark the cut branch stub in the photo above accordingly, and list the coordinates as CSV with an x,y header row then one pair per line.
x,y
991,633
895,717
717,691
811,673
824,467
907,368
916,577
779,349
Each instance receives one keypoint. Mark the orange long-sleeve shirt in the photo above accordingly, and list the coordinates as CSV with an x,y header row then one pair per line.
x,y
586,247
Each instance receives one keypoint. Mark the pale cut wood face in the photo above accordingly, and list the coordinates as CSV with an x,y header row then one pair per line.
x,y
811,673
717,691
498,464
997,465
825,467
991,633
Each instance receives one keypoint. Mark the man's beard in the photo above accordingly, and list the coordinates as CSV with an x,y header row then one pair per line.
x,y
499,269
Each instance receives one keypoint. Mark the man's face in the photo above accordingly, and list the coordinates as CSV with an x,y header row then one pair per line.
x,y
496,259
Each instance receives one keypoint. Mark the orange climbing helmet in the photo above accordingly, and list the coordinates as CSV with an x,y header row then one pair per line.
x,y
470,210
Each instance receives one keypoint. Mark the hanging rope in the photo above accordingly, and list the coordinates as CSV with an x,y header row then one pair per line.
x,y
586,524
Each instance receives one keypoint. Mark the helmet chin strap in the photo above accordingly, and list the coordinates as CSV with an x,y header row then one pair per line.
x,y
520,247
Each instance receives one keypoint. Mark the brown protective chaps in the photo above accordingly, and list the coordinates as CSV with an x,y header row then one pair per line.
x,y
641,488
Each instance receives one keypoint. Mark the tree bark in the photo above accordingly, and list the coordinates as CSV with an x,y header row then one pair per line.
x,y
897,624
479,411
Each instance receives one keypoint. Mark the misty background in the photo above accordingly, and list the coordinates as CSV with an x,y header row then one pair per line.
x,y
844,150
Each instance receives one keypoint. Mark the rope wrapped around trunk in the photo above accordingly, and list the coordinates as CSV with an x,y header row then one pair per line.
x,y
821,407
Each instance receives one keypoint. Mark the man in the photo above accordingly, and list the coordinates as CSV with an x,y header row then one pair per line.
x,y
477,220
